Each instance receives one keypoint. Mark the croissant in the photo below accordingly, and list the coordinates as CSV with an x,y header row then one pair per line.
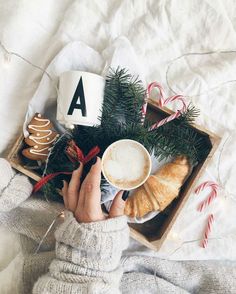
x,y
159,190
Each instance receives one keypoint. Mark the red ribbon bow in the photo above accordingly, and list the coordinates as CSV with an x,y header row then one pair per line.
x,y
75,154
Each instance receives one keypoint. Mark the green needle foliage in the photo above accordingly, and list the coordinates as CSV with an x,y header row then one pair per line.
x,y
121,118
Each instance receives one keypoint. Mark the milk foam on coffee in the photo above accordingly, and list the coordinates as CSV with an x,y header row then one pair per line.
x,y
126,164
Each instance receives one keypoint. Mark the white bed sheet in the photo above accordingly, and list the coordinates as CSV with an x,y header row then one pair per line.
x,y
159,31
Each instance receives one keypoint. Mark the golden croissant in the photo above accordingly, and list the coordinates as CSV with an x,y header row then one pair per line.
x,y
160,189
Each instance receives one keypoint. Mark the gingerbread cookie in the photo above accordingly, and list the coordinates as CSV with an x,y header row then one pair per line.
x,y
41,138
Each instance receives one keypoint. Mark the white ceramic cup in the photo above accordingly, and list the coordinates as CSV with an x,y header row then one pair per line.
x,y
80,98
139,150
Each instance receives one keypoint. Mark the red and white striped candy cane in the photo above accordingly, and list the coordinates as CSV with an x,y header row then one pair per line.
x,y
149,89
144,110
208,230
153,85
213,194
162,102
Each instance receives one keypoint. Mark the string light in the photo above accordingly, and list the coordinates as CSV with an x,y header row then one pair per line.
x,y
60,215
222,200
222,186
8,56
198,54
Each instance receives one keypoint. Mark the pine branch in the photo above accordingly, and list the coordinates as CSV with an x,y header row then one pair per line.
x,y
178,138
123,98
190,114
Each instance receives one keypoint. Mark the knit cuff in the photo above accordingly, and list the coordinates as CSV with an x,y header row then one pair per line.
x,y
97,236
6,174
93,245
18,190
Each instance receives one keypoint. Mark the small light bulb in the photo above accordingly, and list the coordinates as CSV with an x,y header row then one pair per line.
x,y
62,214
69,126
222,201
7,59
174,236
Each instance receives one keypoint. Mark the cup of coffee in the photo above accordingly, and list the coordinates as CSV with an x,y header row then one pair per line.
x,y
80,98
126,164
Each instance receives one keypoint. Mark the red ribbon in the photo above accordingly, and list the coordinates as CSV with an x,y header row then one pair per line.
x,y
47,178
76,155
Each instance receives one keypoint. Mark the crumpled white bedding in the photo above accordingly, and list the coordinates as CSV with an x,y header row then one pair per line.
x,y
158,32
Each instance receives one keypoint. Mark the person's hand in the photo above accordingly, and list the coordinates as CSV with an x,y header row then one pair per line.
x,y
84,200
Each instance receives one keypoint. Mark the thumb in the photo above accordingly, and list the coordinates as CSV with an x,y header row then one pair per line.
x,y
118,205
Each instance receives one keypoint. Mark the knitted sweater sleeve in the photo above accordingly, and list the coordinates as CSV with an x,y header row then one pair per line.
x,y
87,257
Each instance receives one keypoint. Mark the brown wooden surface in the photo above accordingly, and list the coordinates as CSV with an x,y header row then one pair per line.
x,y
154,232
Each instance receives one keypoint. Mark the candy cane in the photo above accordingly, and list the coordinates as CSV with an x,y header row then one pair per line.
x,y
161,90
165,120
149,89
207,232
162,102
144,110
213,194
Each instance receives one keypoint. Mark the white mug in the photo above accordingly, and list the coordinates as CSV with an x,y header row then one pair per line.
x,y
80,98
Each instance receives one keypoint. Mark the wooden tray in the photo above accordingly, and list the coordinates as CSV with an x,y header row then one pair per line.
x,y
153,232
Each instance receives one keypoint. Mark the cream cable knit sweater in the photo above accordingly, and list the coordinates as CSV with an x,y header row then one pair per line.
x,y
88,258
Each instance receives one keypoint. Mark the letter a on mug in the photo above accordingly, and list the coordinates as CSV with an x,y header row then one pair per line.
x,y
79,93
80,98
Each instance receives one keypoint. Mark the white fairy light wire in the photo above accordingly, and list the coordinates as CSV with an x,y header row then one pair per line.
x,y
7,57
222,186
8,54
172,62
198,54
